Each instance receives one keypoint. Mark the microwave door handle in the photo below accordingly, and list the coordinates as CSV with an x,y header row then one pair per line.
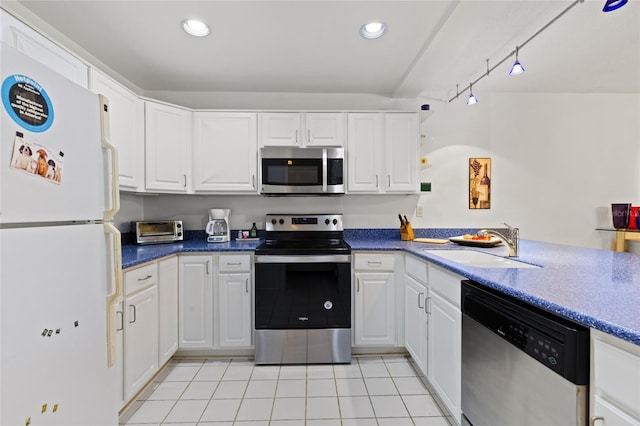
x,y
324,170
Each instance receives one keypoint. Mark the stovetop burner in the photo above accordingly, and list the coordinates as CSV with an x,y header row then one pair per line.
x,y
314,234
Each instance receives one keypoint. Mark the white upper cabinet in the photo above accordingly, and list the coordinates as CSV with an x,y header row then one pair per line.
x,y
401,152
382,152
301,129
23,38
168,148
324,129
126,119
225,152
364,152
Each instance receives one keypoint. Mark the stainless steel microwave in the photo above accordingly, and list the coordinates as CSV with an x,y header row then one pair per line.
x,y
301,171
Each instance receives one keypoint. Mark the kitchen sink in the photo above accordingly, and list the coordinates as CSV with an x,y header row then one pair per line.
x,y
480,259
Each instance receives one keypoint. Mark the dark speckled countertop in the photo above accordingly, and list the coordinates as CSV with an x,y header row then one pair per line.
x,y
596,288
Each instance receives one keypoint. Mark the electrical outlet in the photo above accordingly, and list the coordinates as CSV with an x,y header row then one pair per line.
x,y
419,211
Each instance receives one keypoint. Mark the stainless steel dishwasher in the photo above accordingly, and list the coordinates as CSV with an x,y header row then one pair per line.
x,y
520,365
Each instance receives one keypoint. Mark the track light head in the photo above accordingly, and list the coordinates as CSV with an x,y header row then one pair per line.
x,y
472,98
612,5
516,68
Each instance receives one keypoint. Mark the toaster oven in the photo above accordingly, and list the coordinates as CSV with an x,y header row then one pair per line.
x,y
165,231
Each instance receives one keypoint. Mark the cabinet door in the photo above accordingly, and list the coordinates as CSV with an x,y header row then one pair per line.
x,y
444,351
416,321
324,129
225,152
167,147
23,38
606,414
141,339
401,152
364,156
168,308
374,309
234,310
126,120
280,129
195,295
615,372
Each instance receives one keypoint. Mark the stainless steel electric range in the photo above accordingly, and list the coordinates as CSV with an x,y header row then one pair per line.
x,y
303,291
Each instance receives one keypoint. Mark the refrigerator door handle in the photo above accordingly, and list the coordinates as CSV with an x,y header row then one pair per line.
x,y
106,144
116,261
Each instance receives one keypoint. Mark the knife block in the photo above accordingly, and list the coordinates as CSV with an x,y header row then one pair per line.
x,y
406,232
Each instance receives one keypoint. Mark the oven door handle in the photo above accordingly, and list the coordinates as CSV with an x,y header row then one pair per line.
x,y
328,258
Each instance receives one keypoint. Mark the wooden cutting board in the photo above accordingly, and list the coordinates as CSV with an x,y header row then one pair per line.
x,y
430,240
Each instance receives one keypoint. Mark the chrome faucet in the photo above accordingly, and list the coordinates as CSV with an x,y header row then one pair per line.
x,y
511,240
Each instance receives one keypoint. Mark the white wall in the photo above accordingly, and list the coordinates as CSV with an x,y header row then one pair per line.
x,y
558,162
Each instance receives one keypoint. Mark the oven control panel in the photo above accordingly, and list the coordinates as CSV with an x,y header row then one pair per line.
x,y
301,222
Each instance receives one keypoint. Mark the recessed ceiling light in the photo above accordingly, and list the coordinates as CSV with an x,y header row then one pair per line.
x,y
373,30
195,28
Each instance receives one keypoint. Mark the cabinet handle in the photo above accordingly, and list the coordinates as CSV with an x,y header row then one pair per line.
x,y
207,267
144,279
134,313
427,306
185,181
376,181
246,285
594,419
309,136
420,294
372,263
253,181
388,181
357,285
296,136
234,263
121,314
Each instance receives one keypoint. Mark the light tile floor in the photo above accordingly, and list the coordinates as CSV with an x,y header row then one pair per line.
x,y
372,390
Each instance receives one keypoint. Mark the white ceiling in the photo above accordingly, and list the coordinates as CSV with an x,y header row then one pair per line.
x,y
314,46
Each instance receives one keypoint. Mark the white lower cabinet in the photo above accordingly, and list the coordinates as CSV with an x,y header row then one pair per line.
x,y
140,327
444,358
167,309
416,322
415,309
374,300
445,338
195,295
234,307
615,381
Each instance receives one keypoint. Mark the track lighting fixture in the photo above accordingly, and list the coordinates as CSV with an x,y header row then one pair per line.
x,y
517,67
472,98
612,5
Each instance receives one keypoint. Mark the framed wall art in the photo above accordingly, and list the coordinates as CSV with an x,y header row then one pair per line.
x,y
479,183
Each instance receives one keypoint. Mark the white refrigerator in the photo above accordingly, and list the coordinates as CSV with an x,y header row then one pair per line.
x,y
60,259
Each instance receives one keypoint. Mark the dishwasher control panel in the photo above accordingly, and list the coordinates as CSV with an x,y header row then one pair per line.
x,y
534,343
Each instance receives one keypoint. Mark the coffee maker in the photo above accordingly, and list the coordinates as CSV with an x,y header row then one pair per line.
x,y
218,226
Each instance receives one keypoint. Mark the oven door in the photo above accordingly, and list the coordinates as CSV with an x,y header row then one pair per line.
x,y
303,309
303,292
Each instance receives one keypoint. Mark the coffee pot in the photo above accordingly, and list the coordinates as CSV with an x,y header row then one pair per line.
x,y
218,226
